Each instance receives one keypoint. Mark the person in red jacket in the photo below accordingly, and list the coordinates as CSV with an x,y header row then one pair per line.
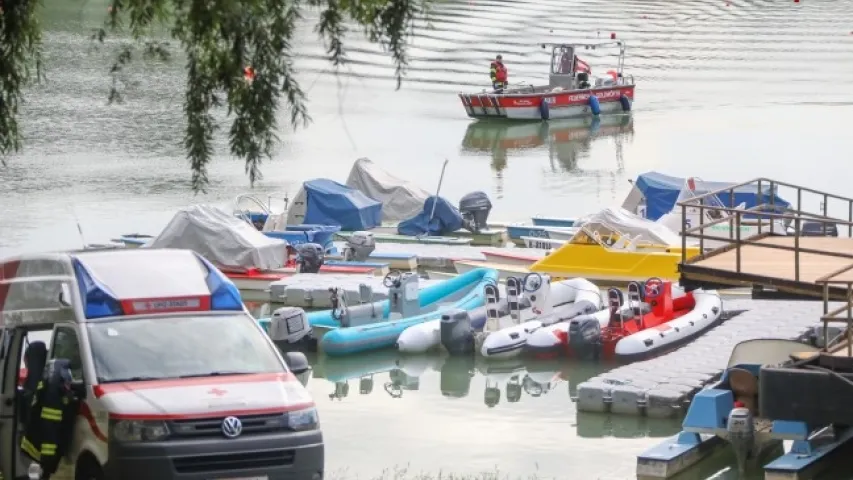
x,y
498,74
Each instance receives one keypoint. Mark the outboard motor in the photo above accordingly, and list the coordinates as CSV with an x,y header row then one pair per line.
x,y
457,335
475,208
585,337
365,385
311,257
359,247
456,374
741,434
289,326
403,293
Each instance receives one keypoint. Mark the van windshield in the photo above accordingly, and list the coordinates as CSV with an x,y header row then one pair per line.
x,y
134,349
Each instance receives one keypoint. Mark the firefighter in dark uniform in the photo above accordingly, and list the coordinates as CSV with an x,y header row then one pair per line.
x,y
498,73
47,435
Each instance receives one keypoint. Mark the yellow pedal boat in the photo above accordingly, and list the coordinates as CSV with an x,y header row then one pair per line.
x,y
614,247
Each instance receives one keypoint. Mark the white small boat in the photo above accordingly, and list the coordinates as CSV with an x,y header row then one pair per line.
x,y
499,340
517,257
543,243
427,336
504,271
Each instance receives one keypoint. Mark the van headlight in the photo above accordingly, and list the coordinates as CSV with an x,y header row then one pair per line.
x,y
305,419
138,430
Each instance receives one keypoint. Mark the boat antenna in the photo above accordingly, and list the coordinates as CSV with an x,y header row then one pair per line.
x,y
437,190
79,228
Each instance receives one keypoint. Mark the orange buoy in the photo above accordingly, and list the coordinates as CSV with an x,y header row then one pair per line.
x,y
613,74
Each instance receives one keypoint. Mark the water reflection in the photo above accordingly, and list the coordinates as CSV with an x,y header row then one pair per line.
x,y
566,142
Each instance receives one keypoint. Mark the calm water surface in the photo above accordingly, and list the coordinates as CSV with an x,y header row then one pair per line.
x,y
726,91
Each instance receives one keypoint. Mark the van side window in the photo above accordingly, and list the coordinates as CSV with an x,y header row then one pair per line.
x,y
65,346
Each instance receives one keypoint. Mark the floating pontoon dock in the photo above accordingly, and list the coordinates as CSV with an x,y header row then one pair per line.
x,y
791,252
662,387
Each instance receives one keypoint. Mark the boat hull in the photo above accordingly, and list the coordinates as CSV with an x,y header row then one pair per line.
x,y
561,104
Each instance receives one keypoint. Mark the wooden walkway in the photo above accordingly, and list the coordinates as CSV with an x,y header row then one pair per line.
x,y
762,264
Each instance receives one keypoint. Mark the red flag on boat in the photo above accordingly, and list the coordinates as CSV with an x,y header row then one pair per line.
x,y
691,184
581,66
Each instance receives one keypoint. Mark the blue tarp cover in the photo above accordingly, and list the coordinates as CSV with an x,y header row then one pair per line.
x,y
330,203
445,220
661,192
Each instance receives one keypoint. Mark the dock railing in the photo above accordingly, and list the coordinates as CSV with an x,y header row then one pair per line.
x,y
843,277
720,205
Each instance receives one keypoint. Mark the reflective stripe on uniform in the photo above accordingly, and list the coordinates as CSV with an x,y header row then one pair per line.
x,y
48,449
29,449
52,414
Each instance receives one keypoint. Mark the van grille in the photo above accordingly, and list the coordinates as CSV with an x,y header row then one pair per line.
x,y
234,461
212,427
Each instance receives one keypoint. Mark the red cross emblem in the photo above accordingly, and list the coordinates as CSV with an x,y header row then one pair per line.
x,y
217,392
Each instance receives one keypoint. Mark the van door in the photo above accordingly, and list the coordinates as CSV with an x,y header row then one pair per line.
x,y
11,342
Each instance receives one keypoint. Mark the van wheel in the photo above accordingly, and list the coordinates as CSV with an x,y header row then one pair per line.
x,y
89,470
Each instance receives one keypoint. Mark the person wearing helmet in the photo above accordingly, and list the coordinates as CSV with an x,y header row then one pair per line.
x,y
498,74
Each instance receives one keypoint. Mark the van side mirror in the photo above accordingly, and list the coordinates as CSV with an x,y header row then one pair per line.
x,y
65,296
297,362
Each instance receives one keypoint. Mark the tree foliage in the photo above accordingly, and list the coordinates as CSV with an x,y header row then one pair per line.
x,y
220,38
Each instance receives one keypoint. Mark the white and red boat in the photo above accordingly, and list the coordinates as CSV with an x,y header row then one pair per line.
x,y
571,91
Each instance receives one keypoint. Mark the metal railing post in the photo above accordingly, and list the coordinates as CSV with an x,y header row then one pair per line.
x,y
737,248
797,225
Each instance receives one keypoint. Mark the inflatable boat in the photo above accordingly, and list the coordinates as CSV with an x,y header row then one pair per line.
x,y
656,318
345,330
504,336
506,341
514,308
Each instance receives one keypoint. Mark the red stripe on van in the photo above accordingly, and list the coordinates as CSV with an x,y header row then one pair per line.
x,y
86,413
8,271
108,388
214,414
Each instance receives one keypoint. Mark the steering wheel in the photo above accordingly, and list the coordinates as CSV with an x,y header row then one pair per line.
x,y
653,288
392,278
532,282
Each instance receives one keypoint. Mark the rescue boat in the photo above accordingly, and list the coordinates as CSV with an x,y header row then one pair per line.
x,y
615,246
571,90
657,318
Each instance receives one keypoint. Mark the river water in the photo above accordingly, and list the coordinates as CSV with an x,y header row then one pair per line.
x,y
726,91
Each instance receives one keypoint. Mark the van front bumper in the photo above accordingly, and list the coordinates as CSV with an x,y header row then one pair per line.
x,y
279,456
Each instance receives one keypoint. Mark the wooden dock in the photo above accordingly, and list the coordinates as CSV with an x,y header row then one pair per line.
x,y
792,260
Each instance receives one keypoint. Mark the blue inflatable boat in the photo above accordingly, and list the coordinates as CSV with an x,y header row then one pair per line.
x,y
345,330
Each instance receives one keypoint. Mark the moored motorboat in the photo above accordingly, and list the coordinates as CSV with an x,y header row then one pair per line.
x,y
674,317
616,246
515,257
345,330
570,92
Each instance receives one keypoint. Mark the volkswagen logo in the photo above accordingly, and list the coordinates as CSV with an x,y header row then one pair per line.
x,y
232,427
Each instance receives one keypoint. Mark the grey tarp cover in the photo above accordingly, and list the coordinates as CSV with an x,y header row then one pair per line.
x,y
221,238
400,199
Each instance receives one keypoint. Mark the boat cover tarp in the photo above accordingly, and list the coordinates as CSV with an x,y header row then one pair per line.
x,y
222,238
329,203
662,191
400,199
626,223
446,219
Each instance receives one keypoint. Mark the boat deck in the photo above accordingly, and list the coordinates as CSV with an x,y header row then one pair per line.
x,y
662,387
786,263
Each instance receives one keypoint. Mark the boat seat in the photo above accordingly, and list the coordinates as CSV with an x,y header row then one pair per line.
x,y
744,387
622,242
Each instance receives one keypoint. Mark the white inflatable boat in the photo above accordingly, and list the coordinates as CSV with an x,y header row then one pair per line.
x,y
499,340
426,336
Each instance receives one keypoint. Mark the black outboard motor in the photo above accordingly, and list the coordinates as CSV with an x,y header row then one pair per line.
x,y
457,336
585,337
818,229
475,208
311,257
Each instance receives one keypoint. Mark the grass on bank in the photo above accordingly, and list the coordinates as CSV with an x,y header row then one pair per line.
x,y
405,473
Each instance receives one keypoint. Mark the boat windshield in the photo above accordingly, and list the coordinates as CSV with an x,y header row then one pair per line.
x,y
611,224
181,346
693,188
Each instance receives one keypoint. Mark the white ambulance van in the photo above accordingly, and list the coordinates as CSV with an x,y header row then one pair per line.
x,y
175,379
